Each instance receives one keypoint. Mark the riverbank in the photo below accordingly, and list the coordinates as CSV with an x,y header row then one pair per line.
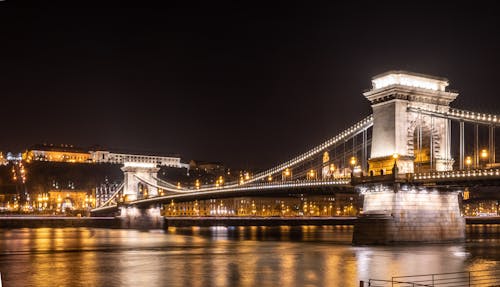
x,y
256,221
110,222
57,221
482,220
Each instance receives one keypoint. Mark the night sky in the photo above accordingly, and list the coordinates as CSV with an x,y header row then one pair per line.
x,y
244,84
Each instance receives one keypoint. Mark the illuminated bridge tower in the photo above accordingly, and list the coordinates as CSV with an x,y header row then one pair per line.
x,y
405,141
135,174
421,142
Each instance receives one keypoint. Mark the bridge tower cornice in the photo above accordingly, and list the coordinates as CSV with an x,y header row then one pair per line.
x,y
414,96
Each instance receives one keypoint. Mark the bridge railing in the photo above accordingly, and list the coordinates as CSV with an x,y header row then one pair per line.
x,y
336,181
473,116
466,278
457,174
464,115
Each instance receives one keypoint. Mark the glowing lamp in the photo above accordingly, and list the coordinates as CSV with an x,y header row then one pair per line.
x,y
484,154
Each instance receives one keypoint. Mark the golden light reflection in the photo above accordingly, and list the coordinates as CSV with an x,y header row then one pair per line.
x,y
288,272
137,258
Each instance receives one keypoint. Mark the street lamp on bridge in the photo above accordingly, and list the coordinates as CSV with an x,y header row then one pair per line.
x,y
287,173
468,162
219,181
484,156
311,174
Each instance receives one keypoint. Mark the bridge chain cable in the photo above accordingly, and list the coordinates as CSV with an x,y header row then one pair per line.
x,y
166,183
344,182
340,181
113,196
335,159
461,115
346,134
173,188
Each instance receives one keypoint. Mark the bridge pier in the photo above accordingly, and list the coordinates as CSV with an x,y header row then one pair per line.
x,y
405,214
141,218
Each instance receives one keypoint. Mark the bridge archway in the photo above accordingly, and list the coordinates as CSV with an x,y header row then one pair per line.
x,y
142,190
422,148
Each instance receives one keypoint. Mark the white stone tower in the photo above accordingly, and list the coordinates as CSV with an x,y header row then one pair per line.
x,y
132,171
402,128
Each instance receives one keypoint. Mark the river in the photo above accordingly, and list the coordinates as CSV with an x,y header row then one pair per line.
x,y
220,256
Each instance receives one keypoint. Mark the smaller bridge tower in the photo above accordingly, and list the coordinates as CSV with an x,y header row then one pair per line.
x,y
421,142
134,173
134,188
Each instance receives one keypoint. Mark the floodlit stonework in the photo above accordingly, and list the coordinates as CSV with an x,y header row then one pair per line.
x,y
421,141
133,188
391,215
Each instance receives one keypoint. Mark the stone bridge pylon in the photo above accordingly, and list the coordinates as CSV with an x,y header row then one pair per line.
x,y
405,141
134,173
421,142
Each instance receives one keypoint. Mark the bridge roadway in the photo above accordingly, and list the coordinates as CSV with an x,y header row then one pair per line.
x,y
443,179
450,179
255,189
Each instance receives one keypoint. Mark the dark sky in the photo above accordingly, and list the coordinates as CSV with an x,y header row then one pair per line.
x,y
244,84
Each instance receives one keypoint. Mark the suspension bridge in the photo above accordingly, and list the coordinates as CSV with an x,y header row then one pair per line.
x,y
410,159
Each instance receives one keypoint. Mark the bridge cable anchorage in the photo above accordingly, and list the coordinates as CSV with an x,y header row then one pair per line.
x,y
352,131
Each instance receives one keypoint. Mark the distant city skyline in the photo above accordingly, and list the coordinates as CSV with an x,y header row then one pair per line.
x,y
241,84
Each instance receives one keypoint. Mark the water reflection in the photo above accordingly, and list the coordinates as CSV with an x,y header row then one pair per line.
x,y
225,256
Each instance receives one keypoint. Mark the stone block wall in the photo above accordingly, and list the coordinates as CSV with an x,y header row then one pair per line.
x,y
410,215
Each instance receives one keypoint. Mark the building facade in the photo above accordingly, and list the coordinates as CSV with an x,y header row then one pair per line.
x,y
102,156
72,154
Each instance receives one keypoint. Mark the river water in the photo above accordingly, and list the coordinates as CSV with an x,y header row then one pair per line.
x,y
220,256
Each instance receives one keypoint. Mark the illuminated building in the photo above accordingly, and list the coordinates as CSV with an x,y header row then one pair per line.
x,y
103,156
341,204
57,153
3,160
208,167
72,154
63,200
105,191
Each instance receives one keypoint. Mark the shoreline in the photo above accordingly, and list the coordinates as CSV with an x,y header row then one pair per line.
x,y
111,222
